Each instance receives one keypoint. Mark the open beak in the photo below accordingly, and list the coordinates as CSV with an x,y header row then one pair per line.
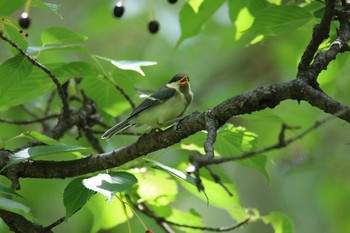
x,y
185,80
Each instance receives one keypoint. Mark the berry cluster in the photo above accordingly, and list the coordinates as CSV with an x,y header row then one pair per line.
x,y
153,25
118,12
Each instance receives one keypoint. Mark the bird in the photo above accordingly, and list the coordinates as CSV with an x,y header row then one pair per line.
x,y
163,108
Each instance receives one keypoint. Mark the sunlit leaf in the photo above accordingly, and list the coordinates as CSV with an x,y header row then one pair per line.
x,y
57,35
195,4
235,7
107,215
280,222
156,186
109,184
274,20
75,196
191,22
129,65
217,196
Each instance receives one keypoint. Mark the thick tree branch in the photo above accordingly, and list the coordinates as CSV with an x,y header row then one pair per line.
x,y
320,33
211,126
20,224
268,96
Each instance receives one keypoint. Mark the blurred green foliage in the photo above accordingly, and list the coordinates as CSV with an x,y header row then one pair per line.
x,y
226,47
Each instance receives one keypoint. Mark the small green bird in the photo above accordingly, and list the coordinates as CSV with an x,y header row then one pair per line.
x,y
161,109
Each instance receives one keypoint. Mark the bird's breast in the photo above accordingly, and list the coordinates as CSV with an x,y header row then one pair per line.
x,y
160,115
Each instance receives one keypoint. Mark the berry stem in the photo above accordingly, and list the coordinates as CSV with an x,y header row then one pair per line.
x,y
27,6
150,6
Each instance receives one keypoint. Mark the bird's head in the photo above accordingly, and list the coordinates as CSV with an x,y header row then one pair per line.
x,y
179,80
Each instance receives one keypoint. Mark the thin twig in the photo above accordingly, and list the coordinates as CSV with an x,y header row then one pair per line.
x,y
29,111
214,229
66,112
218,180
94,142
126,96
28,122
278,145
49,102
55,224
147,211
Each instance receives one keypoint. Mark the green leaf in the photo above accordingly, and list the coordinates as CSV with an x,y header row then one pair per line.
x,y
191,218
280,222
12,205
9,6
218,196
274,20
230,141
13,33
101,90
14,71
109,184
33,152
57,35
47,6
38,83
236,140
191,22
173,171
129,65
37,136
36,49
8,191
75,196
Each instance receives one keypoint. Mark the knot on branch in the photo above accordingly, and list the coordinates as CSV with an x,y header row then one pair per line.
x,y
11,174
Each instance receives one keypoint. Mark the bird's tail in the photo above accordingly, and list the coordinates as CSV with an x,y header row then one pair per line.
x,y
116,129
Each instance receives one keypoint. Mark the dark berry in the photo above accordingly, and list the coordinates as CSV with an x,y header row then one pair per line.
x,y
24,20
153,26
172,1
118,10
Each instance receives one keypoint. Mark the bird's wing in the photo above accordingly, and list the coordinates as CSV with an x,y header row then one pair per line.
x,y
156,98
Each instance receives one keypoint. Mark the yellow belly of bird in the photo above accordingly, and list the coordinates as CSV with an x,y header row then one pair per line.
x,y
162,115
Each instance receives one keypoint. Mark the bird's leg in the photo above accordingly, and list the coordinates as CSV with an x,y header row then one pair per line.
x,y
178,120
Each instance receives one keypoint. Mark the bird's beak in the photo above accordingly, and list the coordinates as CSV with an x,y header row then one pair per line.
x,y
184,80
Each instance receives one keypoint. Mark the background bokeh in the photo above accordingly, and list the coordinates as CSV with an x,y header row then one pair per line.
x,y
308,180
